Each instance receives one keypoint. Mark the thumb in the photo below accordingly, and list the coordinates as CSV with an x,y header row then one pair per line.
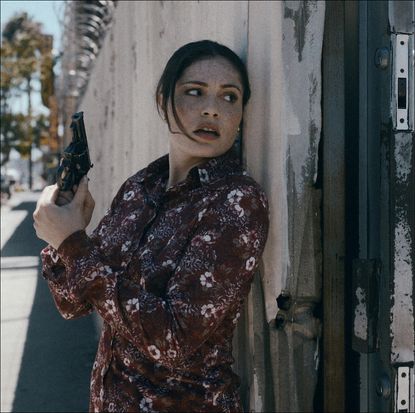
x,y
81,192
55,194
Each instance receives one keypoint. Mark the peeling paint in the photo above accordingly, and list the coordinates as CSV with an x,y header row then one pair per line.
x,y
302,117
402,326
360,315
403,155
402,309
300,13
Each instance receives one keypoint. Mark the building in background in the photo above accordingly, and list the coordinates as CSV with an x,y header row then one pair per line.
x,y
329,322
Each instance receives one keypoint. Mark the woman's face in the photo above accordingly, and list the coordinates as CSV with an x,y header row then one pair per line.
x,y
207,96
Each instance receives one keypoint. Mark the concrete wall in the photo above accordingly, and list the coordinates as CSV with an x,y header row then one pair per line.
x,y
281,43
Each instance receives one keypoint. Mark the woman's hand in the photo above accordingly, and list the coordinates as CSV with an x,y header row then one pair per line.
x,y
55,223
65,197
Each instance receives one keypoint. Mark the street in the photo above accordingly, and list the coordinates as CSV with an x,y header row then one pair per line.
x,y
45,360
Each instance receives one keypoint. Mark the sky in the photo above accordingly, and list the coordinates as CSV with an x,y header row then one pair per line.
x,y
46,12
50,14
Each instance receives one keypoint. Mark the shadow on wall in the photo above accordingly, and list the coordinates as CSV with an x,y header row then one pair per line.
x,y
58,354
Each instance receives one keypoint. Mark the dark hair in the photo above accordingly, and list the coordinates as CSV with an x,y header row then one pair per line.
x,y
181,59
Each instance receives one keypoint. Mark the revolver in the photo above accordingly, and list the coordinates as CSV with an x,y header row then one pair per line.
x,y
75,161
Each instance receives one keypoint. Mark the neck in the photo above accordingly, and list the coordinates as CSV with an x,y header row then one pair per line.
x,y
179,166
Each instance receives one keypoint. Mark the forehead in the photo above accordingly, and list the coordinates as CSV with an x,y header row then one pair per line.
x,y
212,70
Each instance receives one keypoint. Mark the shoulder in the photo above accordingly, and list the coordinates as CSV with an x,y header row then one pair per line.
x,y
240,188
238,201
133,182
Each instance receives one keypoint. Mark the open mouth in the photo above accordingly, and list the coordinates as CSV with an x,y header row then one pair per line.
x,y
207,133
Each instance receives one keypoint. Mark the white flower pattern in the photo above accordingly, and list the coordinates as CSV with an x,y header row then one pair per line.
x,y
203,175
250,263
235,196
126,246
110,306
133,305
129,195
146,404
154,351
207,279
169,294
201,213
208,310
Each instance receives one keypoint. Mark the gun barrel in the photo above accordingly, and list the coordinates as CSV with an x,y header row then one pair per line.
x,y
78,127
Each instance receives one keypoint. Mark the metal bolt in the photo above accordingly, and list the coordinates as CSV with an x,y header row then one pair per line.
x,y
382,58
383,386
280,321
284,300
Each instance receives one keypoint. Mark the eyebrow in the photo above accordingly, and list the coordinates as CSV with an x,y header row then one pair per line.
x,y
197,82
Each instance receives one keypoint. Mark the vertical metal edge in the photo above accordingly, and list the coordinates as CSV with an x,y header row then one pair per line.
x,y
402,201
411,88
334,208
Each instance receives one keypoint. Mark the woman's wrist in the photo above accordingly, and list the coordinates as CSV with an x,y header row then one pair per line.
x,y
59,241
74,246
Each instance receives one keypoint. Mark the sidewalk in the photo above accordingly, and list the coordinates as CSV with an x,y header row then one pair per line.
x,y
45,360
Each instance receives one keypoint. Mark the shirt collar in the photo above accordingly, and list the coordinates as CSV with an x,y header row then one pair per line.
x,y
207,172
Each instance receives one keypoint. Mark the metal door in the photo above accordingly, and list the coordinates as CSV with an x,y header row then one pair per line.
x,y
368,206
381,244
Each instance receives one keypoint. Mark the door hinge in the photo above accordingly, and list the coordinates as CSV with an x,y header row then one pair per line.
x,y
402,82
403,390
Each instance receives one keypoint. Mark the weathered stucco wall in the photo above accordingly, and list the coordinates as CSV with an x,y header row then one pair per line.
x,y
281,43
125,130
282,133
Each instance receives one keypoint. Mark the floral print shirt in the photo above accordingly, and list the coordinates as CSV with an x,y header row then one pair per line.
x,y
168,271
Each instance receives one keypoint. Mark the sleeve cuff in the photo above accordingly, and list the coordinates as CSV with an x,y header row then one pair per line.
x,y
52,265
74,247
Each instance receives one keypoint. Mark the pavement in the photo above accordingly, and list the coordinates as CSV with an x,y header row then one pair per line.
x,y
45,360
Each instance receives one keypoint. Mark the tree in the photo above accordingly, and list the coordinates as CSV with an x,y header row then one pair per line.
x,y
26,55
13,135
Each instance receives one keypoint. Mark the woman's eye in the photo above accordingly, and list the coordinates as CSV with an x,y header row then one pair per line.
x,y
193,92
230,97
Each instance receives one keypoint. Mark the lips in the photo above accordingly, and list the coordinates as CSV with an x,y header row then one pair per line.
x,y
207,129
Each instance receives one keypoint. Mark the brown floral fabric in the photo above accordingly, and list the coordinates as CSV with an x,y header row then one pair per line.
x,y
168,271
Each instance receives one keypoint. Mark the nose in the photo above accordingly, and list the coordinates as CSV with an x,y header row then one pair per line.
x,y
210,109
210,113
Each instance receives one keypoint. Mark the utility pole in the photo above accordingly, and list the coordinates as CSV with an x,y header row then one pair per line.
x,y
29,130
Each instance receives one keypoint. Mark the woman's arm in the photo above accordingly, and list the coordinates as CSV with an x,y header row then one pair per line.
x,y
212,277
53,268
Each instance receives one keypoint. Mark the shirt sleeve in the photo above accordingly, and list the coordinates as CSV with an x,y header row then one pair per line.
x,y
54,271
213,275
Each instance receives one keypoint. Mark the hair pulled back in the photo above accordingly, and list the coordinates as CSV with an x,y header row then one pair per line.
x,y
181,59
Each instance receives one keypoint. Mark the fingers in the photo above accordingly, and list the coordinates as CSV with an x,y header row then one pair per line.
x,y
46,194
54,195
81,192
89,206
65,197
89,201
46,199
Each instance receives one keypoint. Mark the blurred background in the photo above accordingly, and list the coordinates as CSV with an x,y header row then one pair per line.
x,y
30,58
45,361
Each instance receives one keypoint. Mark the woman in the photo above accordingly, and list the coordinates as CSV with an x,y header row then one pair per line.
x,y
171,262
